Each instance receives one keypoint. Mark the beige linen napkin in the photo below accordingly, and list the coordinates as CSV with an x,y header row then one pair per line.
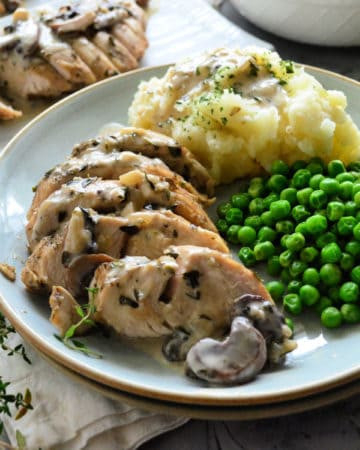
x,y
69,416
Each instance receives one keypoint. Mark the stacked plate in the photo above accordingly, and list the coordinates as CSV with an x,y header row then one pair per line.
x,y
324,368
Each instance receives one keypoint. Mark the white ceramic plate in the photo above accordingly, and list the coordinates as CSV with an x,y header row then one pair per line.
x,y
324,359
166,42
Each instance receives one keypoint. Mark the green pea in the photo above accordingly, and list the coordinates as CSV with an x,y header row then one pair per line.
x,y
350,208
309,254
324,302
303,196
294,286
347,262
222,226
279,167
246,235
309,295
286,258
346,225
266,234
234,216
273,197
350,313
331,317
355,165
295,242
300,213
345,189
232,234
240,201
273,266
276,289
335,210
346,176
301,228
330,186
355,275
301,178
349,292
315,181
331,253
356,232
353,248
324,239
297,268
253,222
357,199
355,189
267,219
223,208
247,256
284,226
315,167
318,199
283,240
264,250
330,274
297,165
289,194
277,182
316,224
292,304
257,189
311,276
335,167
256,206
280,209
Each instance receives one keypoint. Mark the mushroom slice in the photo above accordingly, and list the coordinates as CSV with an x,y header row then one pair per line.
x,y
64,311
28,32
110,18
237,359
80,22
267,318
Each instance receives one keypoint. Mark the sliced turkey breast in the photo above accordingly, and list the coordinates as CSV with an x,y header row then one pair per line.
x,y
197,297
153,145
7,112
132,192
55,259
96,163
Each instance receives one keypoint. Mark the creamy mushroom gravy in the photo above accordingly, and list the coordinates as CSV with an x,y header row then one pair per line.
x,y
191,77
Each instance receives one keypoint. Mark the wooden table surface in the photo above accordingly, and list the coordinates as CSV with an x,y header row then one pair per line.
x,y
336,427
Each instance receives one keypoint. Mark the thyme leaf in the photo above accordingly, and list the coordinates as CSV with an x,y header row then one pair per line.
x,y
85,312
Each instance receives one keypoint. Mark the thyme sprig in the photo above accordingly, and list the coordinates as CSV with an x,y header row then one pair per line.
x,y
21,401
85,313
5,330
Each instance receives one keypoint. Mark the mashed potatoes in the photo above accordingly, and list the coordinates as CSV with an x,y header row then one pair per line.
x,y
238,110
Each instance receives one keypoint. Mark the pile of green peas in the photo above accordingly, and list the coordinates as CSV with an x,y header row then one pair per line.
x,y
303,222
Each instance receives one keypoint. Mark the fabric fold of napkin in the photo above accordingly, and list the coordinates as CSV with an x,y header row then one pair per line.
x,y
68,415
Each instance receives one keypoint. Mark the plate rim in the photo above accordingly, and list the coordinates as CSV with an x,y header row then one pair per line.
x,y
212,412
66,360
